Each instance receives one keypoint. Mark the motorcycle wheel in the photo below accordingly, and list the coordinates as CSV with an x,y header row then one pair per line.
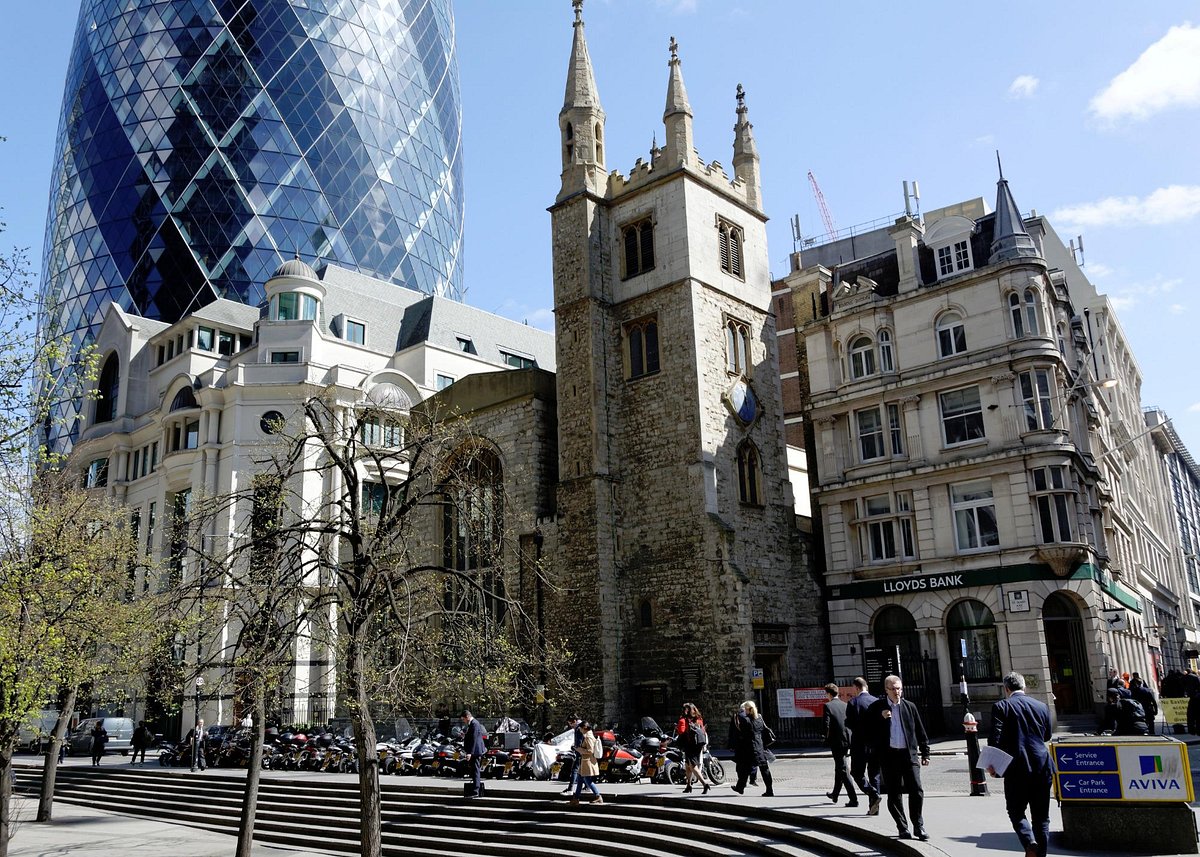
x,y
715,770
676,774
389,765
164,760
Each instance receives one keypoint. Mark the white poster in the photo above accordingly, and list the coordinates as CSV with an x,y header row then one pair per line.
x,y
785,698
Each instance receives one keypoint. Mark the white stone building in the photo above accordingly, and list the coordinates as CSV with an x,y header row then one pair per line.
x,y
958,472
183,409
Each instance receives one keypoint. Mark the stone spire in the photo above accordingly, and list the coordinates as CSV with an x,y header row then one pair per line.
x,y
677,116
1010,241
581,120
745,152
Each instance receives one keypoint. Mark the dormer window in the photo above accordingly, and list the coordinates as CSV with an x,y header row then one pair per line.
x,y
465,345
517,361
955,258
293,306
356,332
950,240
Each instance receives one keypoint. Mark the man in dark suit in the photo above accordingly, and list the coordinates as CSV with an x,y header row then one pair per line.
x,y
864,772
473,746
837,739
1021,728
900,744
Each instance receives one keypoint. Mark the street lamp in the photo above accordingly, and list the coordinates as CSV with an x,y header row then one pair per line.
x,y
197,738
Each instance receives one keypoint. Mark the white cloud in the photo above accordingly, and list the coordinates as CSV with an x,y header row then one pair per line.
x,y
539,317
1194,408
1024,86
1128,296
1166,75
1177,309
987,141
1098,271
685,7
1165,205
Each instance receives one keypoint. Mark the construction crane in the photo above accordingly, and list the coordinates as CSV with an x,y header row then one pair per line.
x,y
826,217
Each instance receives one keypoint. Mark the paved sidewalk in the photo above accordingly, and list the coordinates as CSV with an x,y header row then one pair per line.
x,y
84,832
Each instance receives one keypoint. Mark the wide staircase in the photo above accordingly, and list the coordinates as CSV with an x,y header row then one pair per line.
x,y
429,819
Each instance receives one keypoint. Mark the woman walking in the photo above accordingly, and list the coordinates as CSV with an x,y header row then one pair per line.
x,y
692,738
589,750
99,739
746,732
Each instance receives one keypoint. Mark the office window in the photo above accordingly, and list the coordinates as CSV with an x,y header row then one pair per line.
x,y
954,258
97,474
729,239
1036,400
1017,314
862,357
379,431
887,357
1033,311
870,434
226,343
737,347
516,361
291,306
896,429
133,467
285,356
356,332
465,345
441,382
974,516
191,434
951,334
205,337
641,339
1054,503
638,241
962,415
886,527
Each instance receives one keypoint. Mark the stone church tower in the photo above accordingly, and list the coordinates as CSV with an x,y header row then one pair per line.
x,y
675,515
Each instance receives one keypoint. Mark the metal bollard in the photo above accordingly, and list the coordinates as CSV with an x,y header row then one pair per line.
x,y
979,786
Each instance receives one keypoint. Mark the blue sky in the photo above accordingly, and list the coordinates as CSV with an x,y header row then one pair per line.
x,y
1094,107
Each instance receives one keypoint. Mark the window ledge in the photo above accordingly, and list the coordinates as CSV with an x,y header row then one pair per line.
x,y
966,444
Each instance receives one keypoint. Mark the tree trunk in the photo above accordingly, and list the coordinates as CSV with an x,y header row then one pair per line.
x,y
6,807
253,774
370,838
50,765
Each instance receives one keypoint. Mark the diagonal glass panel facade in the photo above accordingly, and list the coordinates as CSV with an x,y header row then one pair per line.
x,y
203,142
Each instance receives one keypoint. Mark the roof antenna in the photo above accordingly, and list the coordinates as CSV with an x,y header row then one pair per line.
x,y
998,166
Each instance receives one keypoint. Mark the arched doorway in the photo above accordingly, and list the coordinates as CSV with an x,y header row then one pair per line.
x,y
895,627
1070,674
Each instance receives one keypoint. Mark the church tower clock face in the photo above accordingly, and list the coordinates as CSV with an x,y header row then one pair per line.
x,y
742,402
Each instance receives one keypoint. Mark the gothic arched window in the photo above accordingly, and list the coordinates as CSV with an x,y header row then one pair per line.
x,y
107,389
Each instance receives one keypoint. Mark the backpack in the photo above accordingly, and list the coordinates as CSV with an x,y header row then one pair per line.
x,y
695,735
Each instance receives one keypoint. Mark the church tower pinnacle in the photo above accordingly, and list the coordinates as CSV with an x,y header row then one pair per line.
x,y
581,120
680,147
745,153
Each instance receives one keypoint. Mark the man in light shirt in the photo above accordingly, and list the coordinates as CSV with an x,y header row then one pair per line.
x,y
901,746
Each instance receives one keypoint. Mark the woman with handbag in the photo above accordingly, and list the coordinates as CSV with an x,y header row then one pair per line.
x,y
692,738
590,750
748,735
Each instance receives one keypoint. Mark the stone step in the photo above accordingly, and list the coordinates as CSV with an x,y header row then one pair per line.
x,y
433,818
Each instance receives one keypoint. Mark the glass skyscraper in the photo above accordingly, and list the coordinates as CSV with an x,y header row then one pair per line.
x,y
202,142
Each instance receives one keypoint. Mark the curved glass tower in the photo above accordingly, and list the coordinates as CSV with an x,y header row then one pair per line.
x,y
202,142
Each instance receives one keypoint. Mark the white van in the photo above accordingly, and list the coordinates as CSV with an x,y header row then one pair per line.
x,y
120,736
34,733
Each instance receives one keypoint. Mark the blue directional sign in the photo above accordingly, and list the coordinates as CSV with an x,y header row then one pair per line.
x,y
1089,786
1070,758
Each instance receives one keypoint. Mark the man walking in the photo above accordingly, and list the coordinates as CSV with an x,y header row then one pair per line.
x,y
1144,696
864,772
837,739
1021,728
473,746
902,747
576,741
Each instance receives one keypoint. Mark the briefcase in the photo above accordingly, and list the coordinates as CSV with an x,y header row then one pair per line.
x,y
469,789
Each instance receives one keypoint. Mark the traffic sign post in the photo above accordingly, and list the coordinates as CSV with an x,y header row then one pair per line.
x,y
1112,789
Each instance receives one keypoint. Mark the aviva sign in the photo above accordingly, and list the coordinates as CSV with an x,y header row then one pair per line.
x,y
1119,771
